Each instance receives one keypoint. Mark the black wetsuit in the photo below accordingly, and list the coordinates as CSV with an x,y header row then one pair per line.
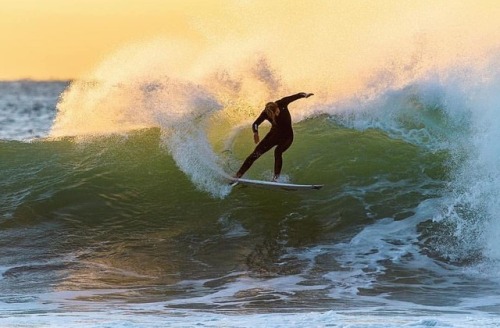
x,y
280,135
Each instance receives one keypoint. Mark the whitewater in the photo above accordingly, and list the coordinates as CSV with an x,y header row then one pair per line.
x,y
116,211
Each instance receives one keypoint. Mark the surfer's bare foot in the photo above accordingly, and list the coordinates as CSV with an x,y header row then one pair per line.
x,y
275,178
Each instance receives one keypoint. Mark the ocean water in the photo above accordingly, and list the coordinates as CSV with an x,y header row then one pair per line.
x,y
115,211
138,228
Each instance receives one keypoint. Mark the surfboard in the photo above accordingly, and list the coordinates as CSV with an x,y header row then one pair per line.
x,y
275,185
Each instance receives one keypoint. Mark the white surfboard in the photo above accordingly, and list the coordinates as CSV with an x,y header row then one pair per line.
x,y
275,185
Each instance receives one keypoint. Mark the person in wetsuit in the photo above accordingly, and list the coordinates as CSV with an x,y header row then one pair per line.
x,y
280,135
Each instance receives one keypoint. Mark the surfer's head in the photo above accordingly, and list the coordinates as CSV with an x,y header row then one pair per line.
x,y
272,110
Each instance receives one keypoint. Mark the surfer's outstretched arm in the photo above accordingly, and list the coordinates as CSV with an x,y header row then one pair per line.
x,y
286,100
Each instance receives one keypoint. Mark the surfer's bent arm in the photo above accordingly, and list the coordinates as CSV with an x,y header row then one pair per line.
x,y
258,121
286,100
255,126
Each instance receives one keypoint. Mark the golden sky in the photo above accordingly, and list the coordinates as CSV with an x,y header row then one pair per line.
x,y
64,39
44,39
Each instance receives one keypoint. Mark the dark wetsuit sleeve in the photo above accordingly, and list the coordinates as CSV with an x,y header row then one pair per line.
x,y
258,121
283,102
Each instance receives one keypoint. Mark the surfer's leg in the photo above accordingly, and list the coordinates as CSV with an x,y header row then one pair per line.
x,y
266,144
278,156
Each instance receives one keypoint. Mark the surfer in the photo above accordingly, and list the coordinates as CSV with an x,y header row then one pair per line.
x,y
280,135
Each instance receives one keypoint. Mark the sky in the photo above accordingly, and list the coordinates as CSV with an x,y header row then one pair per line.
x,y
65,39
61,39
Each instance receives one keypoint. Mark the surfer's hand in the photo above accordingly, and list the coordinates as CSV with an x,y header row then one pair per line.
x,y
307,95
256,137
